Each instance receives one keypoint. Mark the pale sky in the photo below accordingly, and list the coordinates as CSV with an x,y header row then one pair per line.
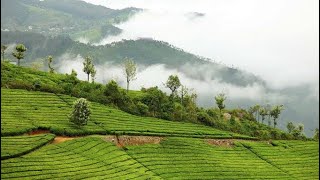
x,y
275,39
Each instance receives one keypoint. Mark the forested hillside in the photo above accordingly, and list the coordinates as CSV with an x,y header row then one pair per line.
x,y
75,18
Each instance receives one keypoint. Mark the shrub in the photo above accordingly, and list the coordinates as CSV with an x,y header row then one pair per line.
x,y
20,84
80,114
51,88
143,109
37,84
204,118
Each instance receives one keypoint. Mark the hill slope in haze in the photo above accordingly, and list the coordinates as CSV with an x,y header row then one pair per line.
x,y
78,19
145,52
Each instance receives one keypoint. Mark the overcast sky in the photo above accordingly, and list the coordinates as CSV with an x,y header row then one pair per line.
x,y
275,39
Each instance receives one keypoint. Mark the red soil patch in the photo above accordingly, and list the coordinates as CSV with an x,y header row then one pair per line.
x,y
60,139
36,132
221,142
122,141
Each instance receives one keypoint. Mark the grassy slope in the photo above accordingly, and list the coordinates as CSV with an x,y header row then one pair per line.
x,y
24,110
173,158
20,145
177,158
88,157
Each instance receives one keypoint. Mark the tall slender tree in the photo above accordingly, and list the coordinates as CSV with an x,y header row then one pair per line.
x,y
50,60
263,112
173,83
19,52
220,99
88,66
275,112
130,70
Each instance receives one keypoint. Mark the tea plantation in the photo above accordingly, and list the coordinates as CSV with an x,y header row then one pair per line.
x,y
174,158
23,111
183,153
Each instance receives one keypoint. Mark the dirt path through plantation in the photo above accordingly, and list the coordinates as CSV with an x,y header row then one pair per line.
x,y
122,141
60,139
125,140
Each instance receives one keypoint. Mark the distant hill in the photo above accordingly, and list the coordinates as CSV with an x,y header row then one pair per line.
x,y
75,18
143,51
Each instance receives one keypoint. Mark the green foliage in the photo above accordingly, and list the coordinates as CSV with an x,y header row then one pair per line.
x,y
88,66
81,112
173,83
275,112
68,17
204,118
290,127
263,112
173,157
147,102
19,52
220,98
115,94
34,113
19,145
143,109
130,70
88,157
93,74
296,131
156,100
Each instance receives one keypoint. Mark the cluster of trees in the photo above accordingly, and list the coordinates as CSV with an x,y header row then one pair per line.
x,y
266,111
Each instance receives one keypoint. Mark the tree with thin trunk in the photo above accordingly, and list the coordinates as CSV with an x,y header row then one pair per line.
x,y
88,66
130,70
19,53
220,99
50,59
256,109
3,49
183,92
173,83
263,112
275,112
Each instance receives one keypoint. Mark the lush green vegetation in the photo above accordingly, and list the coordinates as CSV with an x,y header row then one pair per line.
x,y
148,102
76,19
89,157
173,158
23,111
299,159
19,145
178,158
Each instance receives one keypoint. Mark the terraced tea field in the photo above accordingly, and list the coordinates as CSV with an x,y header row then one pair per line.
x,y
183,152
19,145
186,158
23,111
85,158
174,158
